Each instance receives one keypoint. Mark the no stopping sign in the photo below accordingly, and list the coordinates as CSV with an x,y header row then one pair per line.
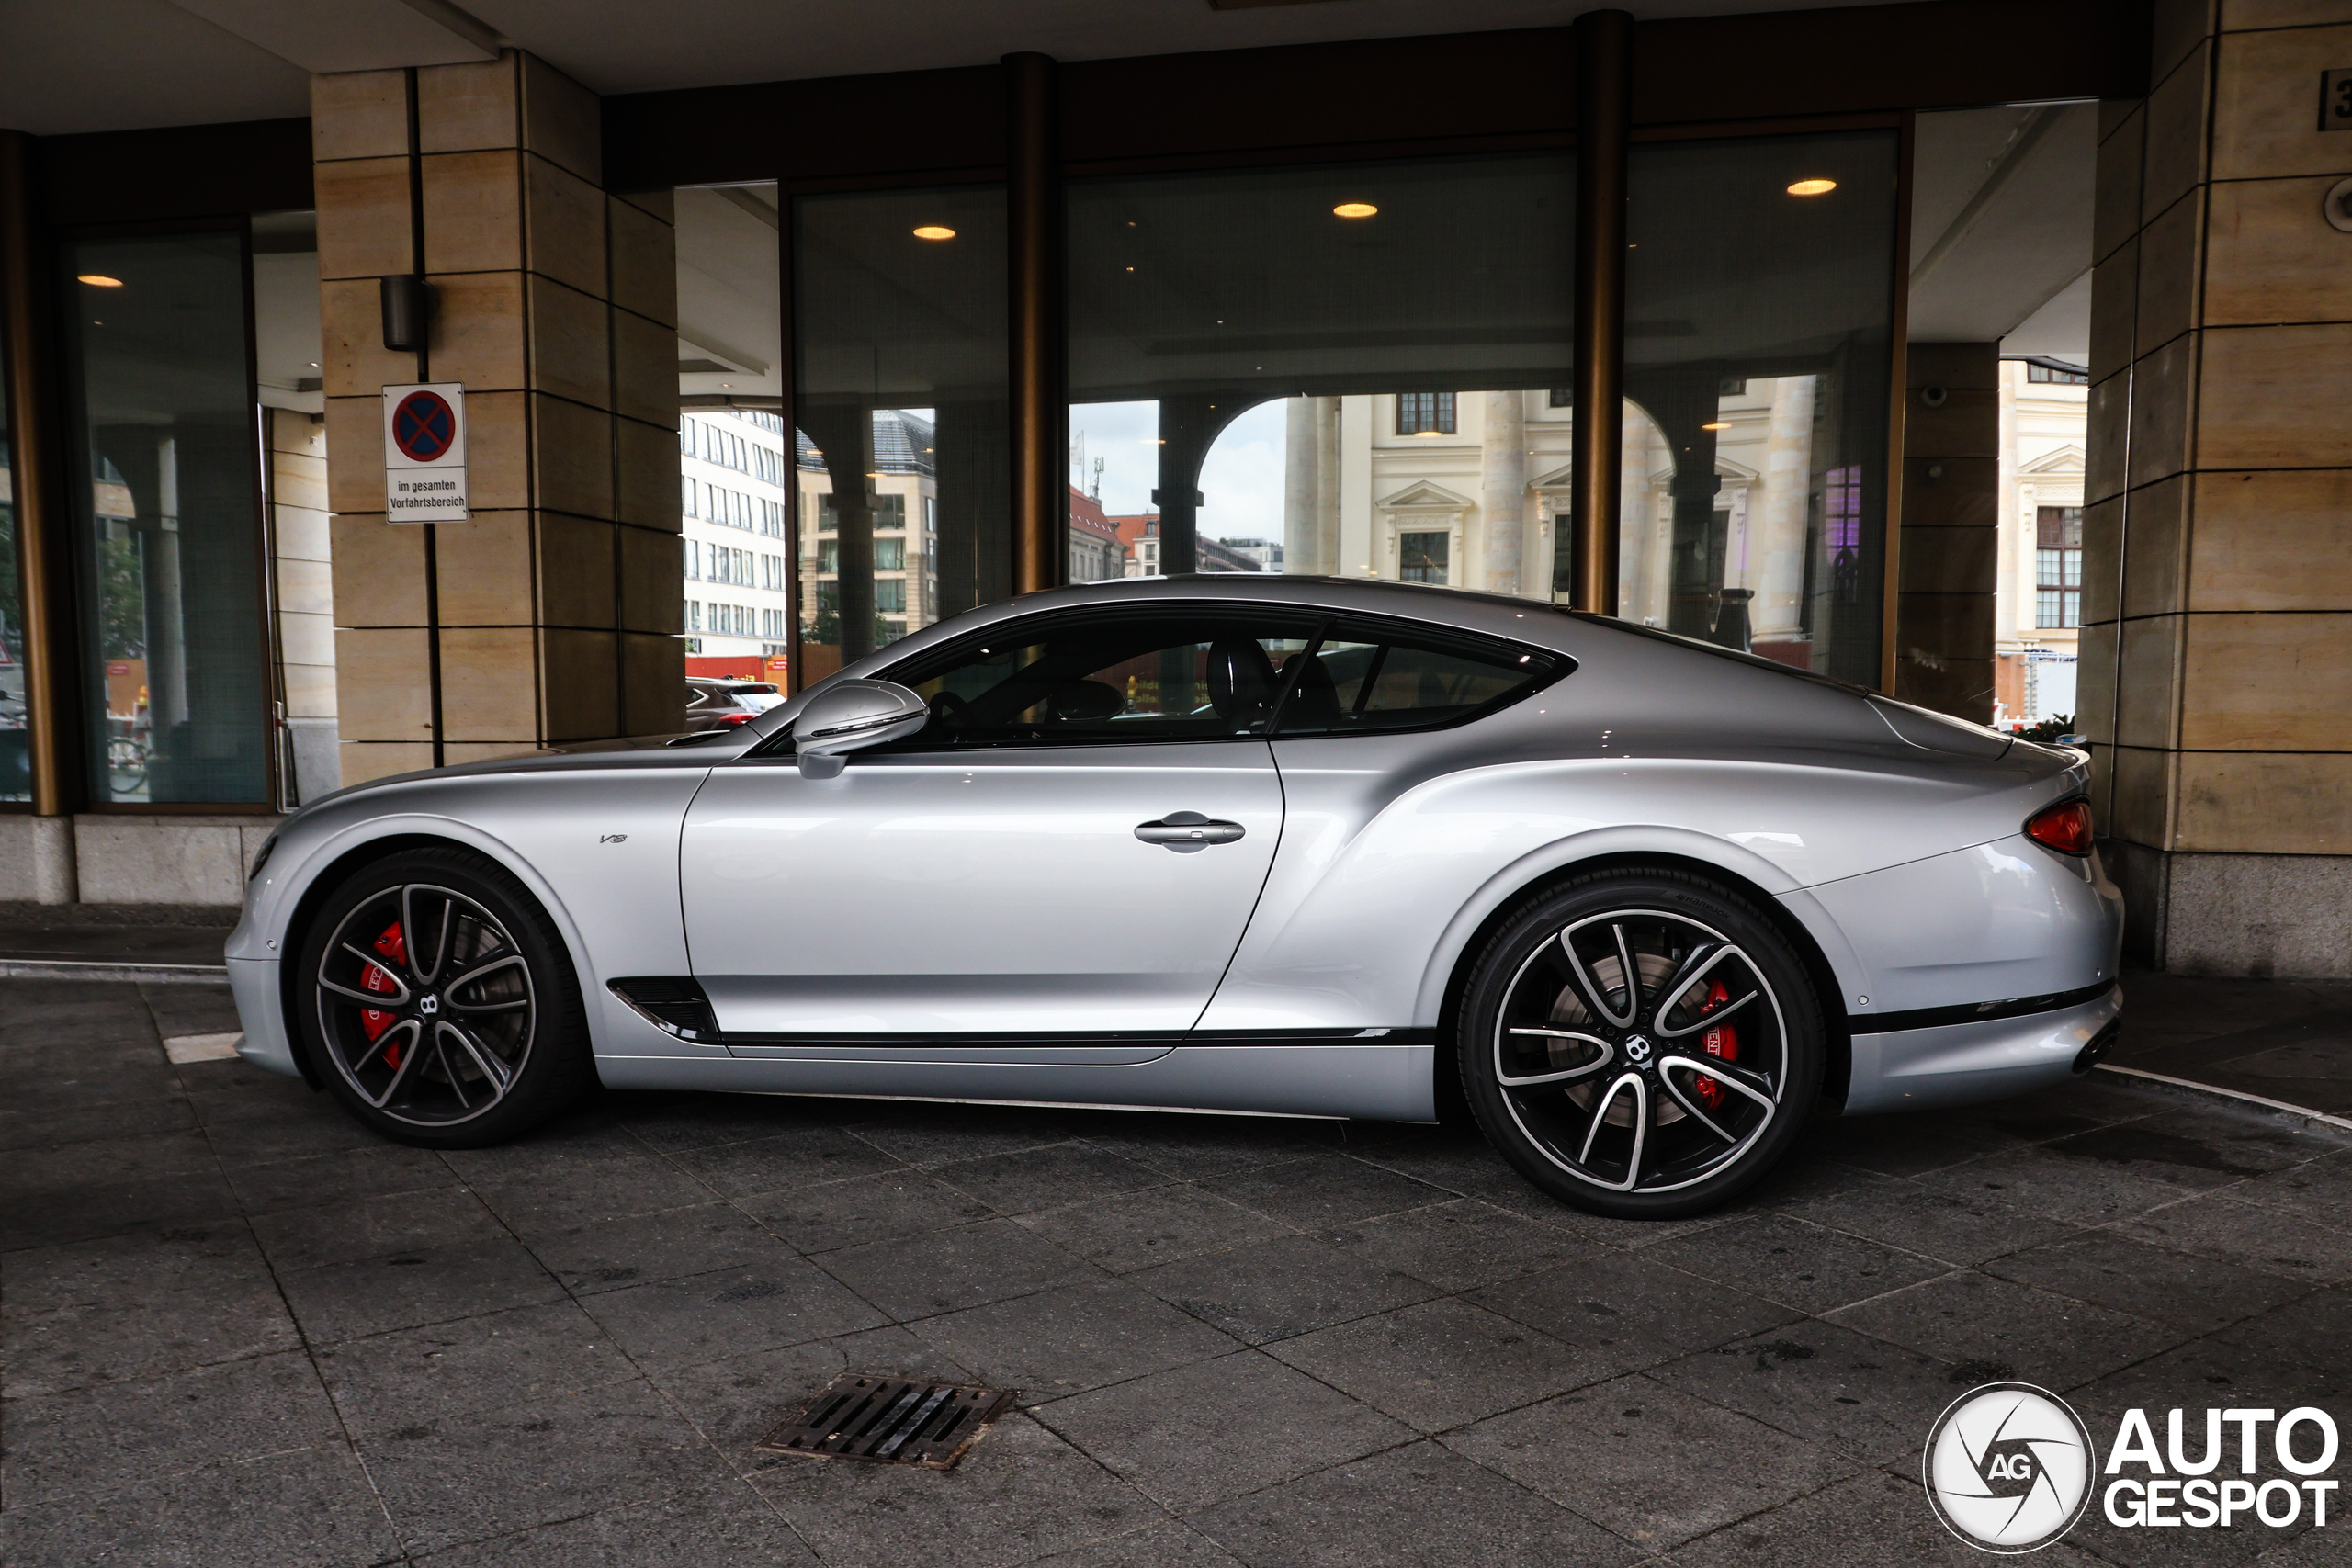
x,y
424,427
424,452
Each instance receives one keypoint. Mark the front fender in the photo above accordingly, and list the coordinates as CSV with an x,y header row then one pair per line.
x,y
270,938
599,852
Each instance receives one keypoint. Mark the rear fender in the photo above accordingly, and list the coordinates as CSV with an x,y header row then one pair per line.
x,y
1620,845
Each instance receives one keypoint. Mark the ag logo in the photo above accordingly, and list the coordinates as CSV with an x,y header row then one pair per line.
x,y
2009,1467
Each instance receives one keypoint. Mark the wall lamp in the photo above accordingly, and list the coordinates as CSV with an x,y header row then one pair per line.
x,y
408,310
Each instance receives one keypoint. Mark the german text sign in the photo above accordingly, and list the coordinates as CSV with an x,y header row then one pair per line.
x,y
424,452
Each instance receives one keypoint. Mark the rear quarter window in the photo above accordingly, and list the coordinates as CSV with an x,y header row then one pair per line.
x,y
1361,678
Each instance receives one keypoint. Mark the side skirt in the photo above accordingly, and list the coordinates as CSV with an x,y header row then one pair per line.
x,y
1377,1079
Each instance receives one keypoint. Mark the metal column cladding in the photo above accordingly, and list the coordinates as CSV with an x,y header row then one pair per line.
x,y
49,711
1604,51
1038,363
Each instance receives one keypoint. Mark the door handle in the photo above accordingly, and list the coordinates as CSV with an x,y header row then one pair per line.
x,y
1187,832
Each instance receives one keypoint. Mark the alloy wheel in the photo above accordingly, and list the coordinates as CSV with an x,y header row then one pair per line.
x,y
427,1004
1640,1051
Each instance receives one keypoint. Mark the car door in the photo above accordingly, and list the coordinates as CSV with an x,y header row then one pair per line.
x,y
1069,849
1378,713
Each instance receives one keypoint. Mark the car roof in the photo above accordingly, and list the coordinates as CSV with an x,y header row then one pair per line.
x,y
1496,615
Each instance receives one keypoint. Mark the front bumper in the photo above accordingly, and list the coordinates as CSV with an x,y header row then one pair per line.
x,y
253,983
1958,1064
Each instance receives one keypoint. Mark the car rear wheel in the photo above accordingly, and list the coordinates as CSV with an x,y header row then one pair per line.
x,y
1641,1044
438,1002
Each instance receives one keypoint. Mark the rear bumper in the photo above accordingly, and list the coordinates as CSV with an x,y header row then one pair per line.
x,y
1956,1064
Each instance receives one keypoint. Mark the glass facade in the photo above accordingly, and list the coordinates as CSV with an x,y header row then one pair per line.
x,y
904,430
1758,308
1351,368
1340,369
735,467
15,752
167,520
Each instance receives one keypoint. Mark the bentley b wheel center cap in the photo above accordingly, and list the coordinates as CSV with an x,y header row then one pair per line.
x,y
1637,1050
428,1006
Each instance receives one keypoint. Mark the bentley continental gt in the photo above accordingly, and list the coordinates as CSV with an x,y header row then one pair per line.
x,y
1240,843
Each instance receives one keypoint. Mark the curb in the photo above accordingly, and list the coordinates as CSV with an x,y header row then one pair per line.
x,y
2240,1095
80,969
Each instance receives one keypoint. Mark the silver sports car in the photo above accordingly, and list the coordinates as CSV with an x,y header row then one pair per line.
x,y
1266,844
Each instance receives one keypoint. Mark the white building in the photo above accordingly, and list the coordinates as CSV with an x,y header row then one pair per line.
x,y
739,580
906,538
2037,607
1468,489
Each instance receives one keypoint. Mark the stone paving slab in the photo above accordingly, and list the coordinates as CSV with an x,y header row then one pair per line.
x,y
236,1328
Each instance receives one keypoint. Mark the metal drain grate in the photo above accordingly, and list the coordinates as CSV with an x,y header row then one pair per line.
x,y
890,1421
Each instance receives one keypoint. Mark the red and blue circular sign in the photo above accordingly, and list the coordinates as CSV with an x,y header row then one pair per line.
x,y
424,427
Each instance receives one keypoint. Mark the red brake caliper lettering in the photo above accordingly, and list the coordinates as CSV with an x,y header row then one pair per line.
x,y
1721,1043
394,946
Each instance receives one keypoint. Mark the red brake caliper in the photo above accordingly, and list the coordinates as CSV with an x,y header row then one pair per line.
x,y
394,946
1721,1043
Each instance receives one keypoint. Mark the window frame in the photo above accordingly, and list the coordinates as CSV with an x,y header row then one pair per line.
x,y
1385,628
1443,417
2067,595
1323,619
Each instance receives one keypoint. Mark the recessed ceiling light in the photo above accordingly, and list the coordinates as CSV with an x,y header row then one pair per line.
x,y
1813,187
1354,209
99,280
934,232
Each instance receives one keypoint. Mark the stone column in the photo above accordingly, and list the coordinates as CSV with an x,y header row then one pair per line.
x,y
1311,485
1300,472
553,614
304,564
1779,609
1645,534
1502,489
1951,539
2217,639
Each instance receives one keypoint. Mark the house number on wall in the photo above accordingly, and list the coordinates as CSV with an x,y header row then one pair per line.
x,y
2336,100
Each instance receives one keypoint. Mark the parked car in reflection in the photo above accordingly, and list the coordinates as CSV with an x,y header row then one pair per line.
x,y
1240,843
717,703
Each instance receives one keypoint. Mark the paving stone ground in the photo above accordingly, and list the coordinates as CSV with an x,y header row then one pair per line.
x,y
239,1329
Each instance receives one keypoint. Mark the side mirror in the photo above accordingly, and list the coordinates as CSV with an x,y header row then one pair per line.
x,y
849,715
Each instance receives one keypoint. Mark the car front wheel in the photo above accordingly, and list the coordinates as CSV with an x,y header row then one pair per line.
x,y
1641,1044
439,1004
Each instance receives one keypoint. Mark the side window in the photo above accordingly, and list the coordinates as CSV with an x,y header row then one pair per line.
x,y
1360,679
1174,676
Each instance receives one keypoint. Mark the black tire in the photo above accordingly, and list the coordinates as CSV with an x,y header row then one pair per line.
x,y
493,1010
1655,1105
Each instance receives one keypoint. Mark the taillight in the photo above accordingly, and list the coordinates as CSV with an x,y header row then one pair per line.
x,y
2065,827
737,718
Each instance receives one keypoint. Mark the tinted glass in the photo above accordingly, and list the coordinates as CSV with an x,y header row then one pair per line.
x,y
1758,310
904,432
1161,678
167,520
734,441
1359,678
16,757
1342,369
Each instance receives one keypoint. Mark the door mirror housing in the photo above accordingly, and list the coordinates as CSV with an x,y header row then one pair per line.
x,y
848,715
